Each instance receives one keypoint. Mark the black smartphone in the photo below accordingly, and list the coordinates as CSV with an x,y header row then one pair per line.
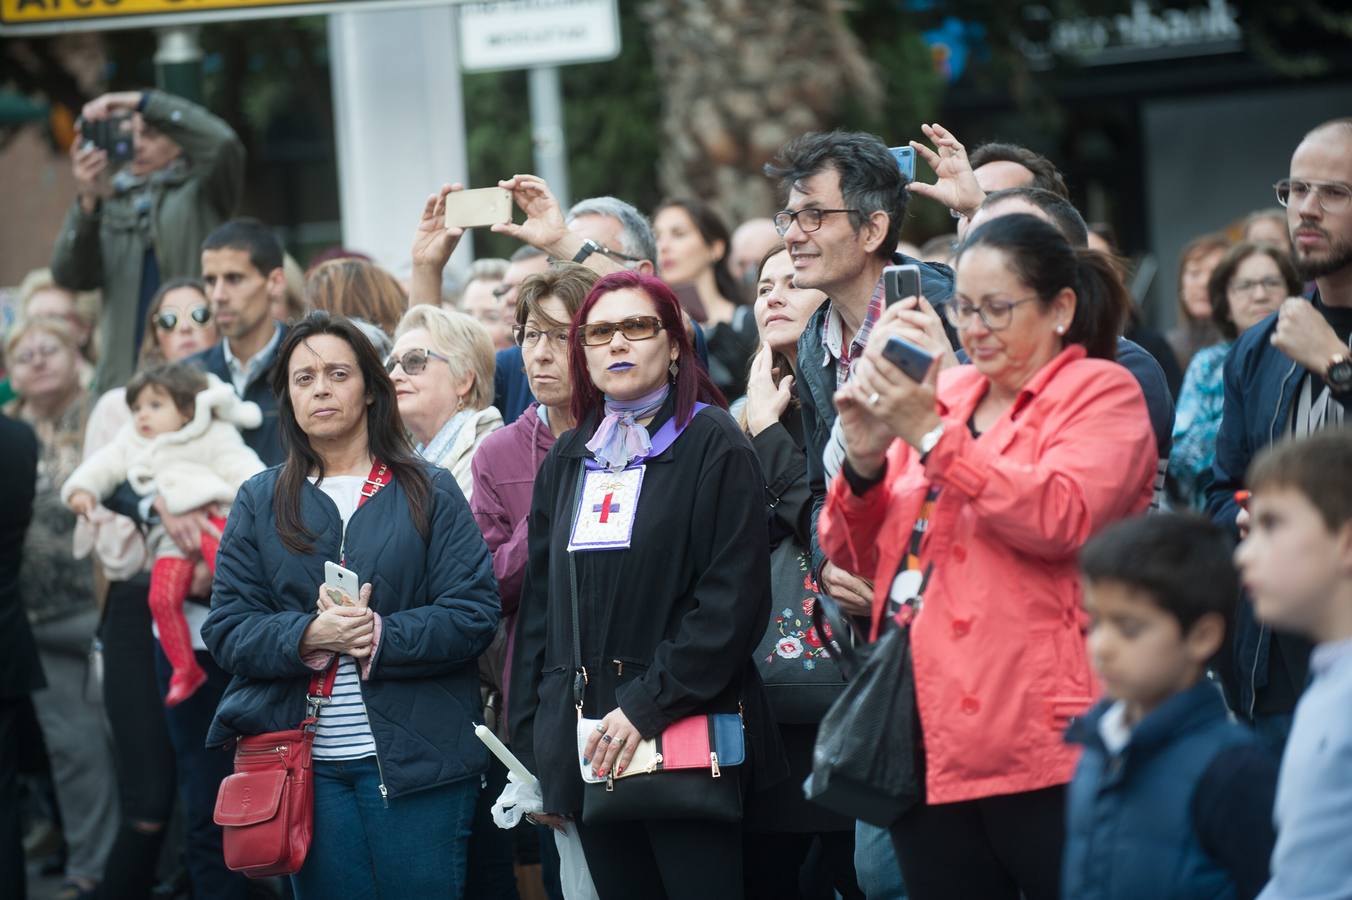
x,y
112,135
912,361
899,282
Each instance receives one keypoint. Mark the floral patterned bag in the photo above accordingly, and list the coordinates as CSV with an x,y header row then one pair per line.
x,y
801,679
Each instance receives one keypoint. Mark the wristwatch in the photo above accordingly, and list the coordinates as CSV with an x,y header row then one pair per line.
x,y
929,440
588,248
1338,375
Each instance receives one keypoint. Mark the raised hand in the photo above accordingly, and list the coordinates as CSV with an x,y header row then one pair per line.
x,y
544,226
765,402
955,185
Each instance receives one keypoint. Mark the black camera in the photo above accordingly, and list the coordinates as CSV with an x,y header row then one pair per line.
x,y
112,135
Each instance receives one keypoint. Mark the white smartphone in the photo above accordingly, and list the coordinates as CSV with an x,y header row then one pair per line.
x,y
474,209
339,581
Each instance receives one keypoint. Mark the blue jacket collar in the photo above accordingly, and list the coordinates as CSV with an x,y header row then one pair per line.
x,y
1198,706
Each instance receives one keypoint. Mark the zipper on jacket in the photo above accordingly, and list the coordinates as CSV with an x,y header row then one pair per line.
x,y
261,752
1263,629
342,558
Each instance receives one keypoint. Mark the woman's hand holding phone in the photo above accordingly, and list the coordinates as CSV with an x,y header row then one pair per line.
x,y
344,625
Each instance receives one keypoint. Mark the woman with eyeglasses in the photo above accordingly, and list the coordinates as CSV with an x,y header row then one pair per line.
x,y
396,765
648,522
442,368
1249,284
967,496
59,598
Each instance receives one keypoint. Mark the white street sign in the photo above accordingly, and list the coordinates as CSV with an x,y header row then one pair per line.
x,y
522,34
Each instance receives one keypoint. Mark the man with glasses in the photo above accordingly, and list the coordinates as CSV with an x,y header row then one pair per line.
x,y
846,202
1288,377
841,224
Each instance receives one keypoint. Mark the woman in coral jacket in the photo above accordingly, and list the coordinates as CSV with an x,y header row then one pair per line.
x,y
968,495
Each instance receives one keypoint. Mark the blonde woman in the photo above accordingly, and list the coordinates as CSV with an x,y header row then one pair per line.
x,y
442,368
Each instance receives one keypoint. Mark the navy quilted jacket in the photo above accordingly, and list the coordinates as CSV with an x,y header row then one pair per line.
x,y
437,600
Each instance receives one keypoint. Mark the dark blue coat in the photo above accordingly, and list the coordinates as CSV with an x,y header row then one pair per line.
x,y
1185,811
438,604
1261,384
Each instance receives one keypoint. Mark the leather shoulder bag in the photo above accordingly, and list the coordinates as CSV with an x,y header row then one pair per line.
x,y
266,808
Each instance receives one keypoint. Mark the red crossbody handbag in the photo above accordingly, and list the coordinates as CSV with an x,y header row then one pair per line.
x,y
266,809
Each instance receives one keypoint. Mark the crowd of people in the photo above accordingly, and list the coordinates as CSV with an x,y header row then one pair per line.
x,y
597,494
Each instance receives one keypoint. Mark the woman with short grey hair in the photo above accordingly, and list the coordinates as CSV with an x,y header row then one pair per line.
x,y
442,367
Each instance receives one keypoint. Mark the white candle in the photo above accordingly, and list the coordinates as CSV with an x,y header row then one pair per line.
x,y
500,750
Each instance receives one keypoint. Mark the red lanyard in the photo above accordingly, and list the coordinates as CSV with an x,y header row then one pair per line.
x,y
379,477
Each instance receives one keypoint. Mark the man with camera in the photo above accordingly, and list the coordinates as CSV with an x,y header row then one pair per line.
x,y
154,174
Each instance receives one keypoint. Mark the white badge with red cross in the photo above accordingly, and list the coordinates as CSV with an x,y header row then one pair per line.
x,y
605,513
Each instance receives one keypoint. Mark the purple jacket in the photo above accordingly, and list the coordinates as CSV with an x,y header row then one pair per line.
x,y
504,477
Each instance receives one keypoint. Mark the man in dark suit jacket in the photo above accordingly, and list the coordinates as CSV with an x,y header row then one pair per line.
x,y
20,668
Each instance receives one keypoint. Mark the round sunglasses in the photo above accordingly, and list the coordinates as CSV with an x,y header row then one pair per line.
x,y
169,320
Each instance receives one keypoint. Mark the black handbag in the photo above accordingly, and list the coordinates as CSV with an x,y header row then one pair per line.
x,y
801,678
864,760
713,793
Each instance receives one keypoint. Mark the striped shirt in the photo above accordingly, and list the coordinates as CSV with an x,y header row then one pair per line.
x,y
343,731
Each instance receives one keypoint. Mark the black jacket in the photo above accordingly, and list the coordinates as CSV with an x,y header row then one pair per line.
x,y
439,609
20,668
669,625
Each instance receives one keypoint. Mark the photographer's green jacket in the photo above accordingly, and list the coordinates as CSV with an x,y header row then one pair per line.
x,y
171,210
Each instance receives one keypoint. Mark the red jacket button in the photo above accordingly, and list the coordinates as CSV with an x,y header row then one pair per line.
x,y
961,627
971,706
959,554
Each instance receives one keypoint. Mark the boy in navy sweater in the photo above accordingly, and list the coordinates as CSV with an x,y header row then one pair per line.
x,y
1171,798
1297,564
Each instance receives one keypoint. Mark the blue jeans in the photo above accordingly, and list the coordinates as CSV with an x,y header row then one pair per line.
x,y
875,863
417,846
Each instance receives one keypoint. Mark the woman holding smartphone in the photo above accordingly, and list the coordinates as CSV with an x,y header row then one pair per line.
x,y
650,517
396,765
967,496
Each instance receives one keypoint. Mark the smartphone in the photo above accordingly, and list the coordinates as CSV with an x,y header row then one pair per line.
x,y
339,581
113,135
477,208
912,361
905,157
900,282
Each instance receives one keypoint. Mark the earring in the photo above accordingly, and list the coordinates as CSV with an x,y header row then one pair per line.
x,y
1060,329
673,369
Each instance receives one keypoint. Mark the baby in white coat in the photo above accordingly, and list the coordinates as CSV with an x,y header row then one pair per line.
x,y
183,443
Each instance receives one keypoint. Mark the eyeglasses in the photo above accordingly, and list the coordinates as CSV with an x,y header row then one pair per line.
x,y
168,321
809,220
43,351
1268,284
1333,195
634,328
413,361
529,337
995,314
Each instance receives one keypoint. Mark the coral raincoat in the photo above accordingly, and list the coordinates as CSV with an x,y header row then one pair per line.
x,y
998,648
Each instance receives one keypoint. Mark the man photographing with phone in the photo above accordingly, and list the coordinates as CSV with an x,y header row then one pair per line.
x,y
154,175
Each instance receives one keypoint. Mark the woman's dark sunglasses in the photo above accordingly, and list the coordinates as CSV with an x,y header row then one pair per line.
x,y
634,328
169,320
413,361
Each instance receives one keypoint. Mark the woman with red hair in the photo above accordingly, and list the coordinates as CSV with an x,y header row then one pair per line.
x,y
646,591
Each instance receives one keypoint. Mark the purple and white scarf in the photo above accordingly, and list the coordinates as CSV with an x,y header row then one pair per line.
x,y
620,439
